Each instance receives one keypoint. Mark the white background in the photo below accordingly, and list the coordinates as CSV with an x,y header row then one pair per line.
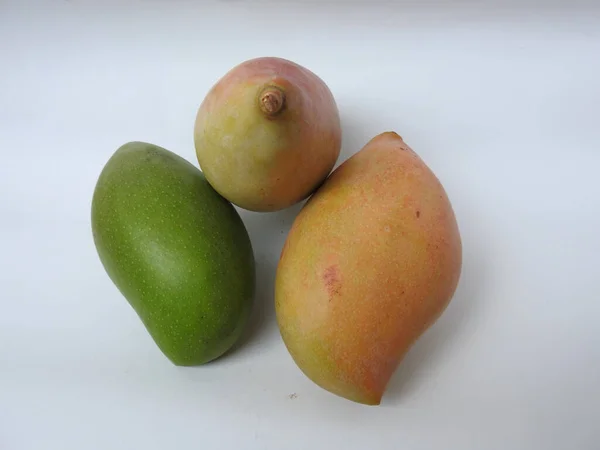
x,y
501,99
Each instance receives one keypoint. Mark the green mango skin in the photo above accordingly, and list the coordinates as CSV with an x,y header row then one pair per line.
x,y
177,251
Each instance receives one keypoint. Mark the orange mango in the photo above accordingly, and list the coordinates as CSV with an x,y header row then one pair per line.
x,y
370,263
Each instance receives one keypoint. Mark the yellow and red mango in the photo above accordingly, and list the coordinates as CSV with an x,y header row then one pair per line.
x,y
370,263
267,134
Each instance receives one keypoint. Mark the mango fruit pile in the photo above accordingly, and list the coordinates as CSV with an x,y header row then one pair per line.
x,y
371,261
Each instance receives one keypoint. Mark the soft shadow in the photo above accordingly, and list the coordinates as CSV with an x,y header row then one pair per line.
x,y
357,129
268,232
461,314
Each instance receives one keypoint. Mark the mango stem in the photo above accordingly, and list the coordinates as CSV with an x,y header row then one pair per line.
x,y
271,100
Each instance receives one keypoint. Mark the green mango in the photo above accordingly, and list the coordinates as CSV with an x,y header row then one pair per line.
x,y
176,250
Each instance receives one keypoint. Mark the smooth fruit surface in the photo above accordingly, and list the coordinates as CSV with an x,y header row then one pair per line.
x,y
176,250
371,261
267,134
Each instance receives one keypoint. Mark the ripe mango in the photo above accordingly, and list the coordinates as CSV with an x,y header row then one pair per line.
x,y
371,261
267,134
177,251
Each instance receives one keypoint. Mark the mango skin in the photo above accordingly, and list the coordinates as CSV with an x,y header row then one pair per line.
x,y
371,261
265,163
177,251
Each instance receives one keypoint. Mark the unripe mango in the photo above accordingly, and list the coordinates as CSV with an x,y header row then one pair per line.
x,y
177,251
267,134
371,261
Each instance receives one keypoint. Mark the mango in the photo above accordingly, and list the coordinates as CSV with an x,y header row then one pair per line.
x,y
267,134
370,263
176,250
